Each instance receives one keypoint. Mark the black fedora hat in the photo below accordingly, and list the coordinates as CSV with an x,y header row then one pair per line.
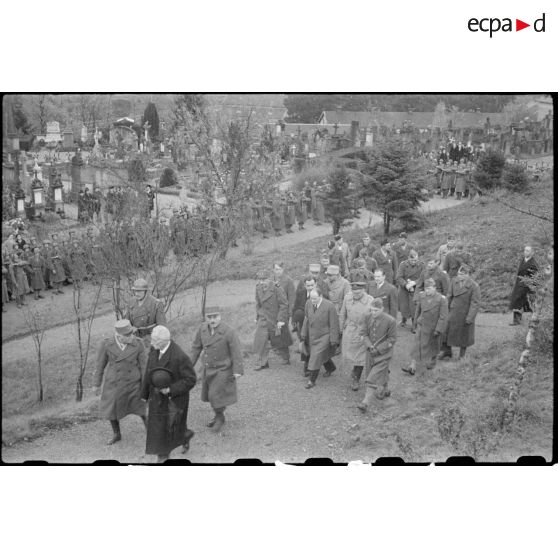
x,y
161,377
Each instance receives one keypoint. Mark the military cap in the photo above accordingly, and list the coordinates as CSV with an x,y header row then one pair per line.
x,y
123,327
140,285
212,310
314,267
429,282
332,269
377,303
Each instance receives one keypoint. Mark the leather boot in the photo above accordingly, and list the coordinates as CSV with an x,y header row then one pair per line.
x,y
188,435
116,433
219,420
413,325
357,372
365,403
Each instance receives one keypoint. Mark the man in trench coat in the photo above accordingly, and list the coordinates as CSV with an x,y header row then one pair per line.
x,y
519,298
222,364
431,316
320,335
121,362
378,335
464,299
167,382
272,315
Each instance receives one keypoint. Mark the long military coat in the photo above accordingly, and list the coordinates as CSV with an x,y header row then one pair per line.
x,y
379,333
388,263
37,264
519,298
351,323
122,371
460,181
19,279
145,315
222,359
388,294
431,315
453,261
463,302
271,307
319,331
290,218
57,275
288,286
166,424
407,271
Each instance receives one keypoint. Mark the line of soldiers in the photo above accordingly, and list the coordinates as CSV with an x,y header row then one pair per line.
x,y
32,267
455,178
355,315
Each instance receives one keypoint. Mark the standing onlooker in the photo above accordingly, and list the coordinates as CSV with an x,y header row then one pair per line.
x,y
222,364
464,299
431,315
522,290
167,382
320,336
37,264
378,336
121,361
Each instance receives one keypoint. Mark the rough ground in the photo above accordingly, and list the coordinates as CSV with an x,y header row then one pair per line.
x,y
277,419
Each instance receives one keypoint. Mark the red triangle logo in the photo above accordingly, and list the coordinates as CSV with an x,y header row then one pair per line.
x,y
519,25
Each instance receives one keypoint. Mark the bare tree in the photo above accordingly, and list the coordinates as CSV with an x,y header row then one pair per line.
x,y
36,321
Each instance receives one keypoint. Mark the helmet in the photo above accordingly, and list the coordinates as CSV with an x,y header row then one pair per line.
x,y
140,285
161,378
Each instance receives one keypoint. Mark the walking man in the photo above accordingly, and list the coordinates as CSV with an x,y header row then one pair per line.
x,y
464,299
286,283
378,336
222,364
381,289
433,271
320,335
386,260
121,362
167,382
522,290
407,277
272,311
431,316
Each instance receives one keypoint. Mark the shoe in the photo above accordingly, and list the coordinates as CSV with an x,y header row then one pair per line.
x,y
162,458
382,393
41,296
402,323
262,366
115,438
310,384
306,373
219,422
355,385
188,436
328,373
413,330
408,369
211,423
443,356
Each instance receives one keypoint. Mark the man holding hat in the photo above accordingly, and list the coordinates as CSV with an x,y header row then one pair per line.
x,y
167,382
121,361
320,335
272,312
145,311
431,315
464,298
222,364
378,336
355,309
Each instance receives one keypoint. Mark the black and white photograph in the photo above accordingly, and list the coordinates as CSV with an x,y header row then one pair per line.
x,y
277,277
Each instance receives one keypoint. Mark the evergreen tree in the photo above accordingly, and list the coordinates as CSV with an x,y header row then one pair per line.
x,y
150,115
488,173
515,178
393,183
339,197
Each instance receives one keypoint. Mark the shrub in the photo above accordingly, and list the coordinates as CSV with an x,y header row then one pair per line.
x,y
168,178
515,178
412,220
488,173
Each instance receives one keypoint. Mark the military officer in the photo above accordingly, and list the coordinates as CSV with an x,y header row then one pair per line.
x,y
145,311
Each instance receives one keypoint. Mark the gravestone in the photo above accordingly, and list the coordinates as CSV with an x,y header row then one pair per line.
x,y
76,168
68,141
53,132
83,135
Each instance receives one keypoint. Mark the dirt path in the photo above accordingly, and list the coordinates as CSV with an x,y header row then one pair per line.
x,y
277,419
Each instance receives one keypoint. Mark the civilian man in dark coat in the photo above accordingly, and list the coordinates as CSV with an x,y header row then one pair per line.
x,y
320,335
121,361
286,283
378,334
222,364
386,260
380,288
519,298
464,300
167,382
272,311
406,279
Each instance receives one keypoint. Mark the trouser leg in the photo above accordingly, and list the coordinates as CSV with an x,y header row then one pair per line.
x,y
329,367
219,419
116,436
462,351
283,353
356,374
445,350
305,359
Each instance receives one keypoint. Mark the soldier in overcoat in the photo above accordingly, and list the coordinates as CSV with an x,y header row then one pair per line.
x,y
18,279
272,311
121,363
433,271
356,306
406,279
378,335
145,311
277,221
289,209
320,335
286,283
431,316
464,300
167,382
57,273
300,210
37,264
455,258
380,288
519,298
222,364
